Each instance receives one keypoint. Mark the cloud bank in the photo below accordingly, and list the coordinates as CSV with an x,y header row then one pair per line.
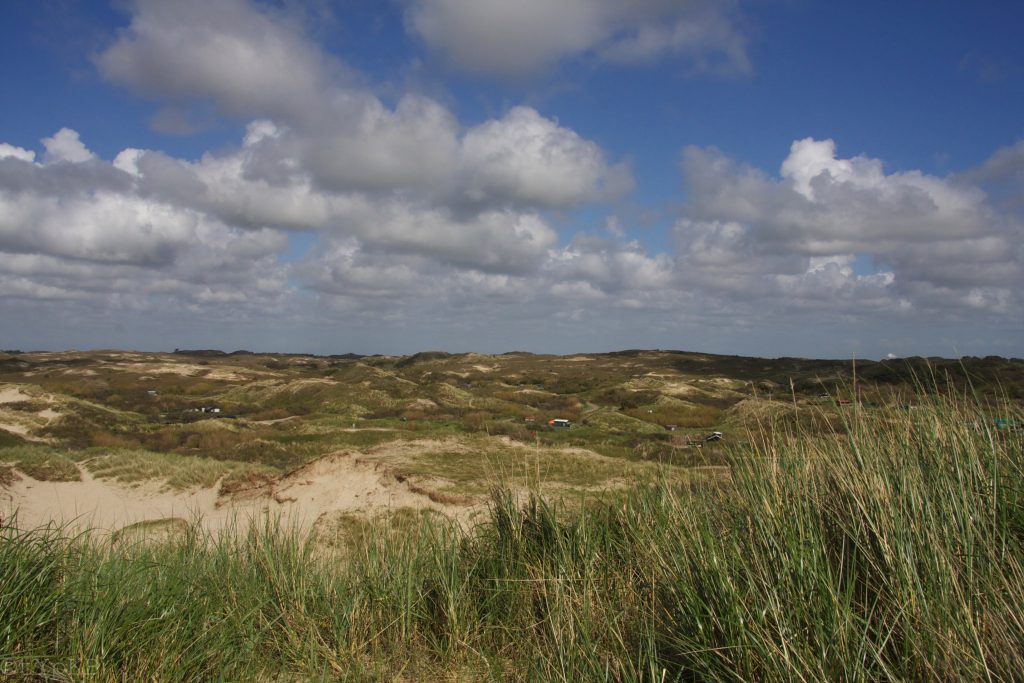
x,y
337,207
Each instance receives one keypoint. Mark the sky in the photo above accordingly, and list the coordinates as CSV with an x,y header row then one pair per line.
x,y
754,177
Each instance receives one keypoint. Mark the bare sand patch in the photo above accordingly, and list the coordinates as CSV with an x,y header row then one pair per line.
x,y
347,482
275,420
680,389
14,428
421,403
13,394
726,382
107,506
343,482
215,372
20,422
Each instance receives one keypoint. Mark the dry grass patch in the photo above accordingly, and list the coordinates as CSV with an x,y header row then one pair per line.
x,y
353,531
150,531
177,471
475,466
7,475
42,463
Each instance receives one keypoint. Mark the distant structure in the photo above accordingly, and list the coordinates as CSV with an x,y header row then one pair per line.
x,y
559,423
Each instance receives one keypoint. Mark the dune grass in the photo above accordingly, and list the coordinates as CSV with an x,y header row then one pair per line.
x,y
40,462
176,471
892,552
474,464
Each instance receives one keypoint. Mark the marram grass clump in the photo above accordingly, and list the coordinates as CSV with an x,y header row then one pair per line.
x,y
888,550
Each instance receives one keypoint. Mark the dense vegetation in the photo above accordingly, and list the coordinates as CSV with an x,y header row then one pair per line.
x,y
889,547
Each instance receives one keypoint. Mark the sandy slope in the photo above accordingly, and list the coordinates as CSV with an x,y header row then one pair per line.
x,y
334,484
107,506
344,482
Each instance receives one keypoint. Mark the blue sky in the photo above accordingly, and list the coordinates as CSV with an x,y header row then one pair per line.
x,y
763,178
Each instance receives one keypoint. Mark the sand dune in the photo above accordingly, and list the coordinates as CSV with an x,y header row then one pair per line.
x,y
334,484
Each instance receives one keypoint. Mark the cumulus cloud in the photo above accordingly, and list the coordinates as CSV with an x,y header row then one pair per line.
x,y
245,58
936,243
65,146
492,241
105,227
611,267
498,239
413,217
11,152
534,160
76,228
377,148
319,155
1002,176
516,39
316,126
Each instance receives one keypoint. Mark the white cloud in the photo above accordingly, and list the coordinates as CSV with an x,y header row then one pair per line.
x,y
246,58
1002,176
344,268
15,287
529,158
105,227
497,240
95,234
612,267
415,220
317,129
516,39
492,241
11,152
65,146
508,38
750,235
375,148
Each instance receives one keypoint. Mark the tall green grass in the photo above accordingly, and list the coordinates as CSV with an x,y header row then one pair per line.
x,y
891,550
